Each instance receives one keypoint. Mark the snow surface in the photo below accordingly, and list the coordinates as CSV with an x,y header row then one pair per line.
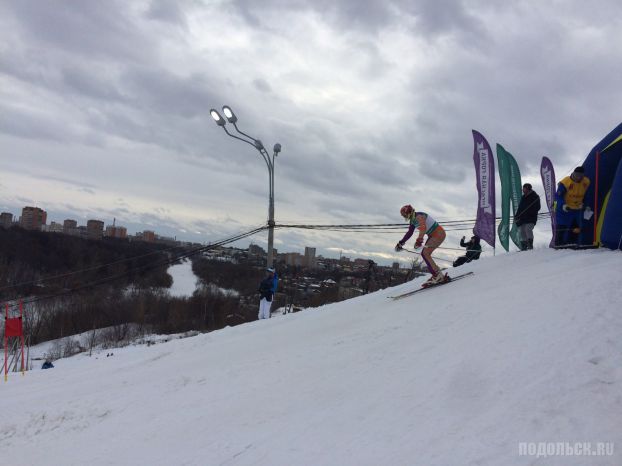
x,y
184,279
529,349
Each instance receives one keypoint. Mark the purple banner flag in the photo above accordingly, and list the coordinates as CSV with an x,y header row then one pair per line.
x,y
548,181
485,173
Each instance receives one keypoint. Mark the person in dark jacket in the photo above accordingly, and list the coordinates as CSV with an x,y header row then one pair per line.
x,y
266,291
47,364
526,216
474,249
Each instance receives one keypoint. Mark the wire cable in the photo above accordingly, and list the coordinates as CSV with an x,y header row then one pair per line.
x,y
165,262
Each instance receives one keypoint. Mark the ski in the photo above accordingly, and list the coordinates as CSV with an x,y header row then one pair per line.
x,y
410,293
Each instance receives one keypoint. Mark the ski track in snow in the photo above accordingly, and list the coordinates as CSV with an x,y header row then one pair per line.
x,y
529,349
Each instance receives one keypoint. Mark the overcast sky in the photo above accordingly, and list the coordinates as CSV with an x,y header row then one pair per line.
x,y
104,108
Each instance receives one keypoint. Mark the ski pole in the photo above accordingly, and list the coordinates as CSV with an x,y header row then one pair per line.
x,y
417,252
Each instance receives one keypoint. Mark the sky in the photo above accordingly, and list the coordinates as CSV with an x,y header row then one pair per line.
x,y
104,109
445,377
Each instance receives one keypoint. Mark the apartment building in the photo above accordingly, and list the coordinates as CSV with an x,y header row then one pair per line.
x,y
33,218
114,231
310,258
94,229
53,227
146,236
70,227
6,220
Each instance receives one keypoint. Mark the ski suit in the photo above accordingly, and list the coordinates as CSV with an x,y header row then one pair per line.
x,y
436,235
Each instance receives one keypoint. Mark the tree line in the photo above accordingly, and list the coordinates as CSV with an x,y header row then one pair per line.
x,y
122,287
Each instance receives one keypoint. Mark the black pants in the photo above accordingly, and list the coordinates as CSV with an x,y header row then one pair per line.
x,y
461,260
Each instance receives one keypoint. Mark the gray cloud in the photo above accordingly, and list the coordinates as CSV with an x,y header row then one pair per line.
x,y
31,124
168,11
104,30
373,103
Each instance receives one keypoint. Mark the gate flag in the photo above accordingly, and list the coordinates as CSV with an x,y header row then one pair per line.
x,y
511,190
548,181
485,174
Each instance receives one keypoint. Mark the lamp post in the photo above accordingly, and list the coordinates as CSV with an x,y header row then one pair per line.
x,y
257,144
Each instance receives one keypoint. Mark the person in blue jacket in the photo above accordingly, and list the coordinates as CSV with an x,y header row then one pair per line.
x,y
266,292
275,281
47,364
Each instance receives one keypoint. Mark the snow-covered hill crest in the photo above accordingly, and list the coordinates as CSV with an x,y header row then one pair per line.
x,y
529,349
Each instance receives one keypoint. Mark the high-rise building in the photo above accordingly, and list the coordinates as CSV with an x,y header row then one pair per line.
x,y
309,257
147,236
33,218
255,250
6,220
94,229
293,258
54,227
70,226
114,231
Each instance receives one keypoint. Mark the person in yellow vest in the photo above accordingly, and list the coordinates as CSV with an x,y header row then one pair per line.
x,y
569,207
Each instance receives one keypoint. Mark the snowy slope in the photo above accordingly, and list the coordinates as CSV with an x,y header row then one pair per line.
x,y
529,349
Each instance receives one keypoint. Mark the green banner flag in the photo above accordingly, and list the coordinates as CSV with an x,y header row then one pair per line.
x,y
511,190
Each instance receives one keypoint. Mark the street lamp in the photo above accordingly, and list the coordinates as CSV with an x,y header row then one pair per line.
x,y
257,144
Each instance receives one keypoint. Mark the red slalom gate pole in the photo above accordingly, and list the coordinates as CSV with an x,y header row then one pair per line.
x,y
6,344
21,316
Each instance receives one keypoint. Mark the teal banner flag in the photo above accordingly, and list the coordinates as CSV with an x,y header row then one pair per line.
x,y
511,192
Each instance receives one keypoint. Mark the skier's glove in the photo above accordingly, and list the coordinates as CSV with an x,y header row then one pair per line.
x,y
565,208
419,242
398,247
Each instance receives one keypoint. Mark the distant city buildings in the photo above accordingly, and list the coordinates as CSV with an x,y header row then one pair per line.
x,y
6,220
149,236
69,227
94,229
53,227
293,259
33,218
255,250
114,231
309,257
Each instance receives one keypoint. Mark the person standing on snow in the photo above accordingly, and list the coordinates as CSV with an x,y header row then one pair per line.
x,y
266,292
526,216
426,225
569,207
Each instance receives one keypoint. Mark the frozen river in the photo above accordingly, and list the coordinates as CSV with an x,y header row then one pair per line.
x,y
184,280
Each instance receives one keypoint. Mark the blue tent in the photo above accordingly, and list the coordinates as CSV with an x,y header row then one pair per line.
x,y
604,196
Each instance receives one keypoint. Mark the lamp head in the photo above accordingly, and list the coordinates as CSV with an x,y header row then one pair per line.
x,y
231,118
258,145
277,148
220,121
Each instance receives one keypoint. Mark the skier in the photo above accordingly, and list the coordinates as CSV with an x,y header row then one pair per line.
x,y
436,235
